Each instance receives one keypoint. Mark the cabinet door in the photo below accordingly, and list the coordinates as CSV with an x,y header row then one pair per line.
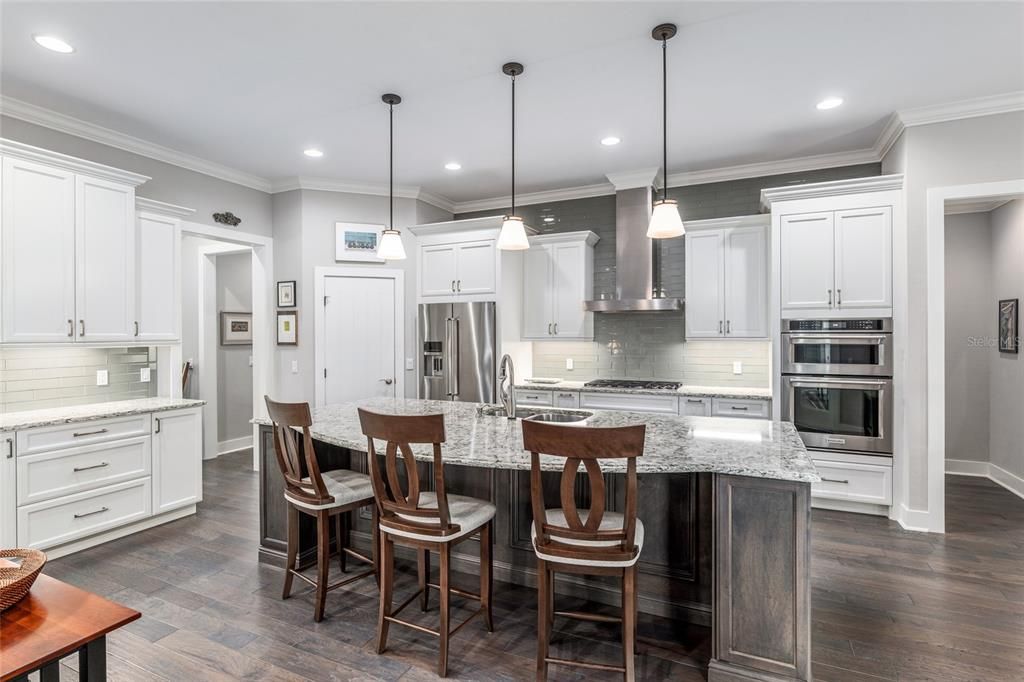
x,y
437,270
746,283
864,258
38,246
569,275
807,265
476,268
158,255
705,300
177,459
538,320
105,260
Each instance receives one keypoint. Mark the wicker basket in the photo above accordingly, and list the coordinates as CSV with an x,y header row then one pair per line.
x,y
16,581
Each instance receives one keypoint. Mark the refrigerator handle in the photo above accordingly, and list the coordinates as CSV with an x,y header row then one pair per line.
x,y
456,353
448,356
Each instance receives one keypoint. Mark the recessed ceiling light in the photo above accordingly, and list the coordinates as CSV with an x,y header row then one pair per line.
x,y
610,141
53,43
830,103
453,165
313,153
549,219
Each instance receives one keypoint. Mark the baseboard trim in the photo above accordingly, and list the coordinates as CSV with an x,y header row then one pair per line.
x,y
913,519
225,447
122,531
850,506
993,472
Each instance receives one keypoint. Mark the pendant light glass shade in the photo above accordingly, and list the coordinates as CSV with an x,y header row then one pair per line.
x,y
665,221
391,247
513,235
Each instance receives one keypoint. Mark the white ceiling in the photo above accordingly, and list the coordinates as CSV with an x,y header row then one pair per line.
x,y
250,85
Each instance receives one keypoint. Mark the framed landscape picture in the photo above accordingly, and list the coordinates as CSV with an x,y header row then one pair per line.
x,y
287,328
1009,329
357,242
286,294
235,329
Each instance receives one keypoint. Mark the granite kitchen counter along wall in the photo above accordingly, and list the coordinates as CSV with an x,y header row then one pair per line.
x,y
37,378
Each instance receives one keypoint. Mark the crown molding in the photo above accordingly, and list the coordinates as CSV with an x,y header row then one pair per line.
x,y
878,183
372,189
781,167
162,208
756,220
635,179
586,236
968,108
546,196
27,152
72,126
465,225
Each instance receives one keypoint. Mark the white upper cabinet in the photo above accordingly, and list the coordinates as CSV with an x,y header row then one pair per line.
x,y
105,260
558,276
438,271
727,278
864,258
807,244
38,247
458,269
158,270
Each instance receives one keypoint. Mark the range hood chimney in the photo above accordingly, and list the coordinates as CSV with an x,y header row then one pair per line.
x,y
634,291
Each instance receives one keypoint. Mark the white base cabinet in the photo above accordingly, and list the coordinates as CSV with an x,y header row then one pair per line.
x,y
177,459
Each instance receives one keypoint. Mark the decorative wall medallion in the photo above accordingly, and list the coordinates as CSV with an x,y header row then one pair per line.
x,y
227,218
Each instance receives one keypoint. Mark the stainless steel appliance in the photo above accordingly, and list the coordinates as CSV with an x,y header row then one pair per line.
x,y
837,383
644,384
458,350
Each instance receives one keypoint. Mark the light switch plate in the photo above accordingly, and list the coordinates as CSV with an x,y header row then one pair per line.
x,y
102,377
295,366
568,363
144,375
737,367
410,364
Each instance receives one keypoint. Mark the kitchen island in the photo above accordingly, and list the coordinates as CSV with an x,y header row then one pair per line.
x,y
725,504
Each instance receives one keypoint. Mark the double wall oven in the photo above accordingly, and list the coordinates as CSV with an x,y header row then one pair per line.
x,y
837,383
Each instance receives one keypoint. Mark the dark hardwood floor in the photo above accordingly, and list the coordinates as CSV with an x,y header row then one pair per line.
x,y
888,605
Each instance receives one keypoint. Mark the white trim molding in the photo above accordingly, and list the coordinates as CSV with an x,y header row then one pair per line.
x,y
641,178
993,472
373,189
968,108
547,196
878,183
27,152
233,445
162,208
63,123
756,220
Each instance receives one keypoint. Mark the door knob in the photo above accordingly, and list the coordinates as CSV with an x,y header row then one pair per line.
x,y
387,381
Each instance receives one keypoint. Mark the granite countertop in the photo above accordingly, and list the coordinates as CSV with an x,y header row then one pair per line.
x,y
744,447
695,391
83,413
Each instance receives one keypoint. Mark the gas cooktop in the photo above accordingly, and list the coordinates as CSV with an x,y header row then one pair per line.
x,y
633,383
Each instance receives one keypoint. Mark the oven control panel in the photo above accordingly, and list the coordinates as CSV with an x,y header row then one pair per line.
x,y
878,325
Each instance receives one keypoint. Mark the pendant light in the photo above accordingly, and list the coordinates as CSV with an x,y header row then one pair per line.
x,y
513,233
665,221
391,247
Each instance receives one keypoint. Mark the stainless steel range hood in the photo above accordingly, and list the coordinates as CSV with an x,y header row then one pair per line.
x,y
633,262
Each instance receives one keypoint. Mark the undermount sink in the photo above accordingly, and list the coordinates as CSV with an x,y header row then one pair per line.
x,y
537,414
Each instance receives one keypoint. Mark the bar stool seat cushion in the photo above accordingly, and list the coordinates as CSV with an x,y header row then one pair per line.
x,y
610,521
468,513
344,485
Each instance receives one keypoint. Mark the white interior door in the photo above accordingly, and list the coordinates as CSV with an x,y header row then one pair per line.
x,y
359,338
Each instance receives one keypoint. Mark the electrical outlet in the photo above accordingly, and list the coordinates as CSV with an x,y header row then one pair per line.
x,y
144,375
410,364
295,366
568,363
102,377
737,367
250,361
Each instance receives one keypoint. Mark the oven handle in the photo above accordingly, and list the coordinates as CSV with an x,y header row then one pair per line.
x,y
852,339
827,383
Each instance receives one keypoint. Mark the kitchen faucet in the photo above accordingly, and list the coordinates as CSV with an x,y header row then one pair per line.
x,y
508,398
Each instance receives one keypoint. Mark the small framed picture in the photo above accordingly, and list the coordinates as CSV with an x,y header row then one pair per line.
x,y
235,329
357,242
287,328
286,294
1009,329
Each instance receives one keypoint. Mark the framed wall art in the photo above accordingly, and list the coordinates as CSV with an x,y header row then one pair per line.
x,y
1009,328
286,294
357,242
235,329
287,328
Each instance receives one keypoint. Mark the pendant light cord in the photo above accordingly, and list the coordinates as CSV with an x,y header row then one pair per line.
x,y
513,209
391,166
664,118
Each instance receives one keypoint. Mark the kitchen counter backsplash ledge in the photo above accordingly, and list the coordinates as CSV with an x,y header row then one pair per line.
x,y
83,413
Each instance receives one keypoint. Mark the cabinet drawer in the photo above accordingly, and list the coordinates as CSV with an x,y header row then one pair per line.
x,y
628,402
63,472
870,483
542,398
55,522
695,407
43,438
570,399
738,407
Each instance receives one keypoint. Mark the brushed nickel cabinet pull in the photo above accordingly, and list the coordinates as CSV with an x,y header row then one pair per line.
x,y
71,328
136,328
556,328
458,285
836,480
98,511
81,327
94,466
10,448
728,326
79,434
565,395
694,400
839,296
742,408
549,328
719,326
829,298
157,419
453,285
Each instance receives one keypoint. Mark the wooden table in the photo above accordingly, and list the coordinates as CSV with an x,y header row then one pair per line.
x,y
54,620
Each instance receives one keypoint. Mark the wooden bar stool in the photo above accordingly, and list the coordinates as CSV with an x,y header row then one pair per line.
x,y
425,521
594,542
323,496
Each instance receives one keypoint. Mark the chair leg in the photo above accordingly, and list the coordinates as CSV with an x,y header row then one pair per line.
x,y
293,550
629,622
323,560
423,570
486,572
445,630
551,599
341,540
375,548
543,624
387,574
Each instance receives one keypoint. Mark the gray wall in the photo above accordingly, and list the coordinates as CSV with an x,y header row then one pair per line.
x,y
1006,448
969,314
234,375
169,183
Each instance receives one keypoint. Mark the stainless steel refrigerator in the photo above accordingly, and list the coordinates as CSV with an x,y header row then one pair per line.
x,y
458,351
